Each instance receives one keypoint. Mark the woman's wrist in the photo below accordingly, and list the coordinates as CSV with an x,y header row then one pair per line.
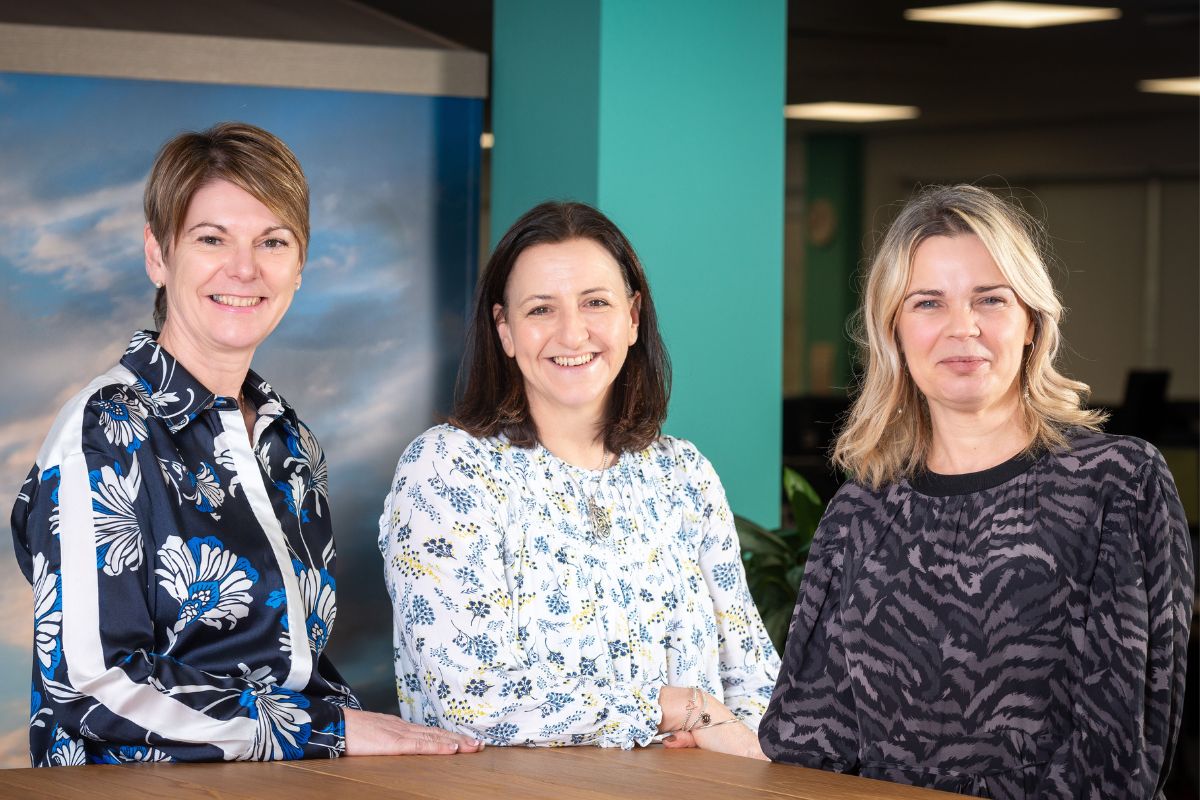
x,y
689,708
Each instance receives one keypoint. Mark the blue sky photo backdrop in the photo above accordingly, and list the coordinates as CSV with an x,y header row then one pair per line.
x,y
367,354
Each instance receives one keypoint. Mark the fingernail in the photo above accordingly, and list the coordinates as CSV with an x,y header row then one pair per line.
x,y
455,747
670,738
476,743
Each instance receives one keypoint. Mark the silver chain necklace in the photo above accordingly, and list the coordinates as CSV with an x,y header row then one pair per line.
x,y
601,526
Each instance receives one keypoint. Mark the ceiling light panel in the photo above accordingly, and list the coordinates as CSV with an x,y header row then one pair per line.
x,y
1171,85
1012,15
850,112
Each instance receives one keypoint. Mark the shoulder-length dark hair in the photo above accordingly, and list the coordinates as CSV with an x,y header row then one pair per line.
x,y
491,391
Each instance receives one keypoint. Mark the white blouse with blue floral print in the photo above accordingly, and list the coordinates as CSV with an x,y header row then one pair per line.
x,y
517,622
173,562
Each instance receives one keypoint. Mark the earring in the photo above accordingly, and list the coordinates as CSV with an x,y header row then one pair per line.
x,y
158,284
298,282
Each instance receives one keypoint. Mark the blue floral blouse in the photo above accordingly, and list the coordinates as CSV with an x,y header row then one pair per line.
x,y
171,562
519,621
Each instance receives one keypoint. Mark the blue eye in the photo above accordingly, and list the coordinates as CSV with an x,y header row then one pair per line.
x,y
925,304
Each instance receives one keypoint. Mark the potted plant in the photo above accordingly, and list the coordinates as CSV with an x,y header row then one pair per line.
x,y
775,560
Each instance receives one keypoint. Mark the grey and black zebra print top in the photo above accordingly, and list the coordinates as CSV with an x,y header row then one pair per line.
x,y
1018,632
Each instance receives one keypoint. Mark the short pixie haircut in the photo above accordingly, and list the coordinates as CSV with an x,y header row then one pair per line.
x,y
254,160
491,392
888,431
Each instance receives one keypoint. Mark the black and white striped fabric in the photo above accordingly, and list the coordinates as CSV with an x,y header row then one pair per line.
x,y
1018,632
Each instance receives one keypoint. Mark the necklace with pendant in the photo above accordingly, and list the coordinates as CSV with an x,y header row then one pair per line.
x,y
597,515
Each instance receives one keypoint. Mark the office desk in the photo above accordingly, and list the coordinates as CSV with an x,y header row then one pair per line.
x,y
569,773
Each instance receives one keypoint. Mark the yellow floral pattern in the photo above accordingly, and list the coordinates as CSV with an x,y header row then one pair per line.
x,y
516,623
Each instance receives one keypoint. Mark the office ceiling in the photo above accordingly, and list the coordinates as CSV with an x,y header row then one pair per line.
x,y
959,76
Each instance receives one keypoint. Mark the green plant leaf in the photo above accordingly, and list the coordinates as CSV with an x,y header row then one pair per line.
x,y
774,560
757,540
807,507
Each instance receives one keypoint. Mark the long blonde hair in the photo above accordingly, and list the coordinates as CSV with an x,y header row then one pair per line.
x,y
887,434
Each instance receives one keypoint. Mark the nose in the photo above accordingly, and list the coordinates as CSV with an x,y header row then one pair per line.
x,y
572,331
963,323
242,264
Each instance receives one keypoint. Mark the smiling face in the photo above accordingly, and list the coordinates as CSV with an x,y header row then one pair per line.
x,y
962,329
569,323
230,275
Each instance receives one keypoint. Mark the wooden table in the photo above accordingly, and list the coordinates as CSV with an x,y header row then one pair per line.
x,y
569,773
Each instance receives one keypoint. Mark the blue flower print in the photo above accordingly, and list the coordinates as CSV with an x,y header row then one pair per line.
x,y
319,592
501,734
122,419
118,532
439,547
422,613
47,616
726,575
308,459
283,724
66,751
478,609
211,584
132,755
36,712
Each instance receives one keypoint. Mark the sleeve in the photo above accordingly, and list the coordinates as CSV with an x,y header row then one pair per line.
x,y
811,718
1131,655
106,685
453,570
748,663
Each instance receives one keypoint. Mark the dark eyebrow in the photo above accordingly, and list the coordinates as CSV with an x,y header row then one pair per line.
x,y
927,292
544,297
985,289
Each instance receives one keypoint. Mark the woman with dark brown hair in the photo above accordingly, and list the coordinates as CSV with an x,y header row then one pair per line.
x,y
560,571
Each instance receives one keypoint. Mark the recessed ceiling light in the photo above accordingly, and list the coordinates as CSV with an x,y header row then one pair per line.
x,y
1171,85
487,140
850,112
1012,15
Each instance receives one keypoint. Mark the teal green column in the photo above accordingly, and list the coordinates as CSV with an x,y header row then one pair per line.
x,y
668,116
832,250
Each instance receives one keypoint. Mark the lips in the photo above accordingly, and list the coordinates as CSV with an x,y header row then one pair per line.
x,y
235,301
573,361
963,364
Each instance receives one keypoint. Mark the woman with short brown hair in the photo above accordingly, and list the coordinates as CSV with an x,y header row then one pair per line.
x,y
176,526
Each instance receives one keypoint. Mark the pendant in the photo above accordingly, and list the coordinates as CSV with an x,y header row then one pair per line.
x,y
599,518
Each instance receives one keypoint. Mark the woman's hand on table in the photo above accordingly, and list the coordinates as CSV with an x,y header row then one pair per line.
x,y
371,734
734,738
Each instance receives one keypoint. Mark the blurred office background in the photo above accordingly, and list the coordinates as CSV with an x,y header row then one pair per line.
x,y
1071,119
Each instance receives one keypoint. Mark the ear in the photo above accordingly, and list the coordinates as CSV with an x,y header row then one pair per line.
x,y
156,268
502,330
1031,329
635,316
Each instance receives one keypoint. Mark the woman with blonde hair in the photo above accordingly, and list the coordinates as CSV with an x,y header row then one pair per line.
x,y
997,602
